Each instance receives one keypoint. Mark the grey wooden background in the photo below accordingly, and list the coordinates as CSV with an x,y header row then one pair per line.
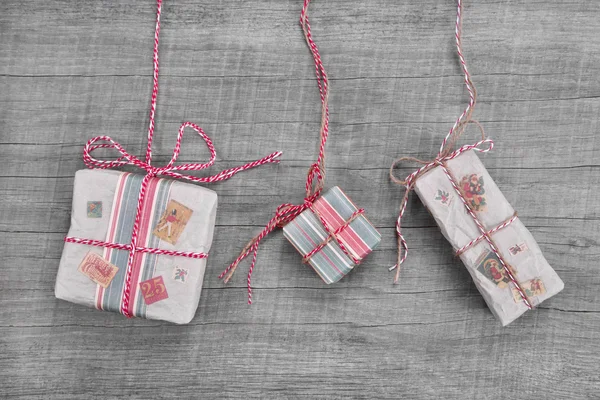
x,y
70,70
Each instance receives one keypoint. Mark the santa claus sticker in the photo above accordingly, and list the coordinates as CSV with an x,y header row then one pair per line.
x,y
489,265
472,189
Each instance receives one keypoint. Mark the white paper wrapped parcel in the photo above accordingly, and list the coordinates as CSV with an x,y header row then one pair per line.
x,y
118,194
436,192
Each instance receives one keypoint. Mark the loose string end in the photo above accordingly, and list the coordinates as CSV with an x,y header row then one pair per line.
x,y
397,276
287,212
274,157
229,271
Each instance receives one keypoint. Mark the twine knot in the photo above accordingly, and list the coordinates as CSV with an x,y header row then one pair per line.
x,y
153,172
316,173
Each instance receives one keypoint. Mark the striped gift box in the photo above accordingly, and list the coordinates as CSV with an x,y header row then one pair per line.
x,y
307,232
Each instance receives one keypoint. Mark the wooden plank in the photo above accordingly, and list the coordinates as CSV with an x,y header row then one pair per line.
x,y
73,70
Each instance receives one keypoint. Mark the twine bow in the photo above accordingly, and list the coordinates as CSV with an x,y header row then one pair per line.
x,y
316,174
169,170
445,154
446,148
409,183
284,214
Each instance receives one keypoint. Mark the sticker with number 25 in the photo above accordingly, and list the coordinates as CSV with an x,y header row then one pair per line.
x,y
154,290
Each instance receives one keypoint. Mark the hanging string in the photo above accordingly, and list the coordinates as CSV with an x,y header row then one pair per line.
x,y
445,154
316,173
154,83
170,170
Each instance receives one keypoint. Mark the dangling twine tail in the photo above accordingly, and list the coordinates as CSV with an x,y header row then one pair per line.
x,y
410,181
445,154
316,174
446,147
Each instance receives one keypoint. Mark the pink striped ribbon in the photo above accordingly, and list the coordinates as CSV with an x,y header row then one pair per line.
x,y
170,170
333,234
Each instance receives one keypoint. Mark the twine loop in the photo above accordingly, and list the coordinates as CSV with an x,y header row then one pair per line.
x,y
170,170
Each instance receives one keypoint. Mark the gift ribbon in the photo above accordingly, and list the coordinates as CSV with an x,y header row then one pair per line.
x,y
169,170
316,173
446,154
333,235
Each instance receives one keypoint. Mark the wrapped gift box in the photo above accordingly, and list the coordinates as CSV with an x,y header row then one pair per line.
x,y
516,245
176,216
313,228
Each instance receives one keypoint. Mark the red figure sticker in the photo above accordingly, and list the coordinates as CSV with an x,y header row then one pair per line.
x,y
154,290
518,248
489,265
98,269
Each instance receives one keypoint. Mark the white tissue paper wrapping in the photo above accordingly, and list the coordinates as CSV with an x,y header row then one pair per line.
x,y
118,194
436,192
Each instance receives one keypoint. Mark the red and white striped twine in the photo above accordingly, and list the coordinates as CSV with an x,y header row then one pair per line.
x,y
489,233
410,182
127,247
467,76
316,173
444,155
333,234
485,234
170,170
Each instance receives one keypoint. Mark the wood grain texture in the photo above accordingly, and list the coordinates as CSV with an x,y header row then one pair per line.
x,y
70,70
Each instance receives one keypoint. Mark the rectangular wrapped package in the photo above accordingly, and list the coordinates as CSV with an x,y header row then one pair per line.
x,y
333,235
175,216
514,242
